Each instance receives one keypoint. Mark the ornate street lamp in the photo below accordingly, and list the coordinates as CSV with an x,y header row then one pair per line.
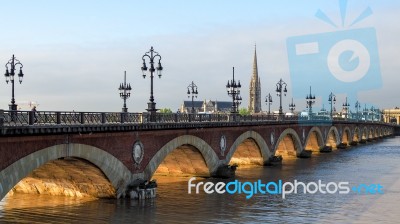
x,y
310,100
292,106
365,112
373,113
268,101
192,91
358,107
332,101
281,89
233,90
152,55
124,92
10,74
346,106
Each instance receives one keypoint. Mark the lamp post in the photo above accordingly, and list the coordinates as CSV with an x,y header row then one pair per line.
x,y
268,101
233,90
11,64
310,100
192,91
346,106
292,106
358,107
152,55
332,101
365,112
373,113
281,89
124,92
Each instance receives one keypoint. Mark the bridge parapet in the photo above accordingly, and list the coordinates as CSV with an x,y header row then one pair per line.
x,y
45,122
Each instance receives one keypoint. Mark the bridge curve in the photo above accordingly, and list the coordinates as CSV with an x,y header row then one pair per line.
x,y
116,172
210,157
259,140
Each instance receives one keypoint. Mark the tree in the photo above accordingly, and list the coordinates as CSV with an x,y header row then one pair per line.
x,y
166,111
244,111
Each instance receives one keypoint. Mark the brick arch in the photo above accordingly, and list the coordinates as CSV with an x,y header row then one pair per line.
x,y
364,133
295,138
347,131
371,132
376,132
210,157
320,138
336,135
356,132
262,145
116,172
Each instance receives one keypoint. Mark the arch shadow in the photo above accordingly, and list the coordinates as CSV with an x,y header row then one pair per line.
x,y
295,140
259,140
116,172
210,157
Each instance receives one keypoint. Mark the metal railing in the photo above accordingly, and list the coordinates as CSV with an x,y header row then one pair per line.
x,y
22,118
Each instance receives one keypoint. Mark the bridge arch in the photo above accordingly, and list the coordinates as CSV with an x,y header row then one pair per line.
x,y
314,140
258,139
116,172
356,134
294,138
371,133
376,132
346,135
364,135
332,139
209,156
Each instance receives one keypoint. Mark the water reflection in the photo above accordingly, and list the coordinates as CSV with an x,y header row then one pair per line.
x,y
372,163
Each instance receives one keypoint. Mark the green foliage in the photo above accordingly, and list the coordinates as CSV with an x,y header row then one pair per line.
x,y
244,111
166,111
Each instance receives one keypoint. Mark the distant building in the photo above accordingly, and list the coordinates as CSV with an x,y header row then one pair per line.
x,y
206,106
391,115
255,88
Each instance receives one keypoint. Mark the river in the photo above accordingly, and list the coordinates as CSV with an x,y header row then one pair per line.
x,y
373,163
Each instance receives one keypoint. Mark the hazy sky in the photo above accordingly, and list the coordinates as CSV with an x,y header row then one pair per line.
x,y
75,52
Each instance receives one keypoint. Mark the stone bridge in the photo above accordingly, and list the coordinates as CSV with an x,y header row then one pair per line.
x,y
125,147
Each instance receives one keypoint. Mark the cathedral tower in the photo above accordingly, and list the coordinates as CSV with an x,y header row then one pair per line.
x,y
255,88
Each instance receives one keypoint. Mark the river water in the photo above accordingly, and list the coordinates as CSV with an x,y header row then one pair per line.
x,y
374,163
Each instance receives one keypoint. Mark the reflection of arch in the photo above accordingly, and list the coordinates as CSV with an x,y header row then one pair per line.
x,y
314,139
265,153
295,140
333,137
346,135
206,151
116,172
356,135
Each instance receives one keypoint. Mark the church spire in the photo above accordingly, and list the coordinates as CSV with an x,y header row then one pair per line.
x,y
255,87
255,69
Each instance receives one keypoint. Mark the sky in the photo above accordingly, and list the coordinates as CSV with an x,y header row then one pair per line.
x,y
75,53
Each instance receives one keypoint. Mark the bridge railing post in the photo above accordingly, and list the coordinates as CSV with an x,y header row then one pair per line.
x,y
82,117
58,117
31,117
122,117
103,118
1,118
